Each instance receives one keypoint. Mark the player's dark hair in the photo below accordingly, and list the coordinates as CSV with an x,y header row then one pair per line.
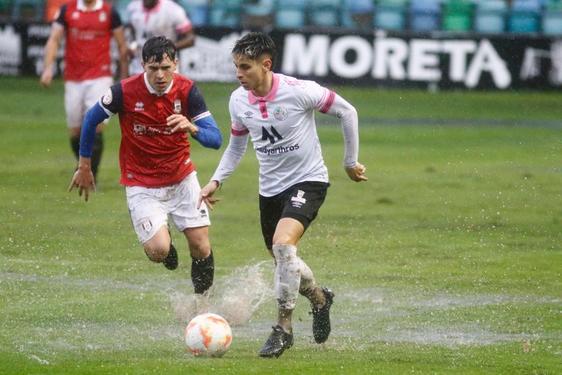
x,y
156,48
255,44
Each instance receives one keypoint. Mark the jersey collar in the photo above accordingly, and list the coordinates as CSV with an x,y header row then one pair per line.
x,y
253,99
82,7
151,89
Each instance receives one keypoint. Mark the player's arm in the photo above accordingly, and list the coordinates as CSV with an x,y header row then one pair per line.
x,y
207,133
131,33
83,178
185,40
202,126
122,46
110,103
50,53
229,161
184,31
119,35
335,105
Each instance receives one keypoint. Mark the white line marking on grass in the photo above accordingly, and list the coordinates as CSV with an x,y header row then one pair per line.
x,y
41,361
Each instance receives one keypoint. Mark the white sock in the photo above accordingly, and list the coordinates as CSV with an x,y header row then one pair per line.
x,y
307,277
287,275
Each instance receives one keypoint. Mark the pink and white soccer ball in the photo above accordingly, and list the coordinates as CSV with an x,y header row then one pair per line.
x,y
208,335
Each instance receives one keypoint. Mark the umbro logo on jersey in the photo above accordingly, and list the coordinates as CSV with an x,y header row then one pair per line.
x,y
249,114
139,106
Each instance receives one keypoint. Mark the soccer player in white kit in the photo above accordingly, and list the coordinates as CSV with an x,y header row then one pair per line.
x,y
277,113
150,18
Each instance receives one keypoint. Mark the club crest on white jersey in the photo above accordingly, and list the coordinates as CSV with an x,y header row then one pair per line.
x,y
280,113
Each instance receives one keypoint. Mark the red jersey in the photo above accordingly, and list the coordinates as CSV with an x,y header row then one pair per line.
x,y
150,155
88,36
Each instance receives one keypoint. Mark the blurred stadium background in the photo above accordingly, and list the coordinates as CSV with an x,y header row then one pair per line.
x,y
495,16
483,44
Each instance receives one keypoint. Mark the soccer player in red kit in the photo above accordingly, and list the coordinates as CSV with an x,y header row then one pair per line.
x,y
87,27
159,111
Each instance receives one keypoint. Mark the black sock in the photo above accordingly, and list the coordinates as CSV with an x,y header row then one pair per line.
x,y
97,150
202,273
75,145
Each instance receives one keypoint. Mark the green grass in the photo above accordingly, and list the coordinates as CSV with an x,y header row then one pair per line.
x,y
446,261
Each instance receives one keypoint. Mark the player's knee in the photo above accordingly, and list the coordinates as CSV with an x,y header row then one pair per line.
x,y
156,251
199,247
200,252
198,242
282,239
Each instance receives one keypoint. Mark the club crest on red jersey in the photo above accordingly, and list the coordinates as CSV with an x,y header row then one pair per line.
x,y
107,98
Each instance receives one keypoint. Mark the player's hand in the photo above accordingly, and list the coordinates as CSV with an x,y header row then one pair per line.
x,y
83,180
46,77
206,194
180,123
357,172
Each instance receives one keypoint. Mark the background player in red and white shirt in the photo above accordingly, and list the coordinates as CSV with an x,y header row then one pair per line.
x,y
159,111
87,27
277,113
149,18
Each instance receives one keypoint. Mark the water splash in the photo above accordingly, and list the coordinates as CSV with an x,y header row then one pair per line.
x,y
235,297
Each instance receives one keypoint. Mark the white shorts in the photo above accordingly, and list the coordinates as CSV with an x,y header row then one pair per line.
x,y
150,207
79,96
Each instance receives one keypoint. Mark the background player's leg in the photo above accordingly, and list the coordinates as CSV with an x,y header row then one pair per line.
x,y
97,152
75,145
74,109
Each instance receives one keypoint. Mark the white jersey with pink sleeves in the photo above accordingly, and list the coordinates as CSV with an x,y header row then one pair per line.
x,y
282,128
166,18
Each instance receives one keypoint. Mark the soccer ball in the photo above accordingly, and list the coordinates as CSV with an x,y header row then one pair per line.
x,y
208,335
